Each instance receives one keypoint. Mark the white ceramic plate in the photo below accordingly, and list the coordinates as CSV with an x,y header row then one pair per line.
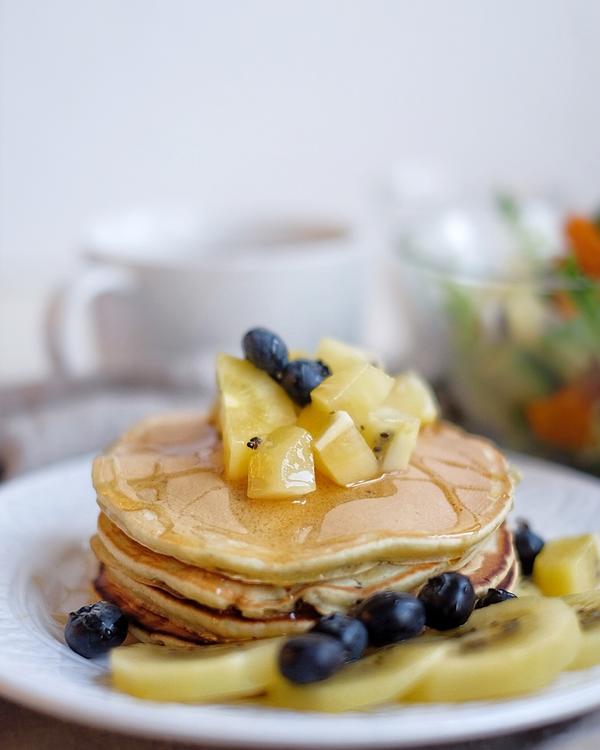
x,y
45,521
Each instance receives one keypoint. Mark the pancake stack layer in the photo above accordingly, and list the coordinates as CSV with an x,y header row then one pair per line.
x,y
191,559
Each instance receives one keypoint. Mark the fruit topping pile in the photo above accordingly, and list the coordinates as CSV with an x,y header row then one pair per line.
x,y
284,420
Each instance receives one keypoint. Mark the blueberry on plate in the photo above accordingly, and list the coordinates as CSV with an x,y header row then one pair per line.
x,y
390,617
448,599
528,545
95,629
311,658
301,376
266,350
351,633
494,596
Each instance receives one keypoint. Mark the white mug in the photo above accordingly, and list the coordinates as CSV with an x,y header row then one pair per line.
x,y
160,293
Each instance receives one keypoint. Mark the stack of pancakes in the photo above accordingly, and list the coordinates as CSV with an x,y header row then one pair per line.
x,y
191,559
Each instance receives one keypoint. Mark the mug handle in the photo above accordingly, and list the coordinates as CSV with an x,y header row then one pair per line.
x,y
69,332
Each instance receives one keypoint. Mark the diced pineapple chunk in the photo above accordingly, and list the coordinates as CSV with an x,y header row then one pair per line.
x,y
413,395
251,405
282,466
357,390
567,566
343,454
338,356
393,436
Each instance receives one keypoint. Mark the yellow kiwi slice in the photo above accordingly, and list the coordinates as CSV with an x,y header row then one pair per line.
x,y
282,465
357,389
341,452
208,673
251,406
506,649
338,356
586,606
393,436
379,678
413,395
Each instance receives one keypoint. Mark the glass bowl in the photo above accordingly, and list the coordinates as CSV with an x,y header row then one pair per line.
x,y
509,333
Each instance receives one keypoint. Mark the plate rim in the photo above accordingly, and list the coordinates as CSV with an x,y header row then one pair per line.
x,y
71,711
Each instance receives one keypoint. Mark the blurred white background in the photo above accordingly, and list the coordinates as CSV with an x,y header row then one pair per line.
x,y
107,104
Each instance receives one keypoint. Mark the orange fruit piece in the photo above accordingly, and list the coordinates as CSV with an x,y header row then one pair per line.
x,y
563,419
584,237
565,305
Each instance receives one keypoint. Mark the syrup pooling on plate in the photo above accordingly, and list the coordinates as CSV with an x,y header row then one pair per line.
x,y
165,476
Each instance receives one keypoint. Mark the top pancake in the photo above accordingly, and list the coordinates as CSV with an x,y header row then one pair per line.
x,y
162,484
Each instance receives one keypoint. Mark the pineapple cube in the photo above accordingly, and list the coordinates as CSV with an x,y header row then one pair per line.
x,y
357,390
413,395
567,566
338,356
342,453
282,466
393,436
251,405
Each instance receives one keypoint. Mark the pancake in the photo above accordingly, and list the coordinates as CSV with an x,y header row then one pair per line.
x,y
166,615
253,599
162,485
495,564
157,638
160,637
140,616
209,625
257,600
511,580
173,641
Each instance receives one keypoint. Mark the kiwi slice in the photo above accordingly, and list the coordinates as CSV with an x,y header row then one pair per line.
x,y
511,648
586,606
384,676
208,673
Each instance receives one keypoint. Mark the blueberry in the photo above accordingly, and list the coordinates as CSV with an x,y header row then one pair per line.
x,y
390,617
266,351
351,633
300,376
448,600
95,629
528,545
311,658
494,596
